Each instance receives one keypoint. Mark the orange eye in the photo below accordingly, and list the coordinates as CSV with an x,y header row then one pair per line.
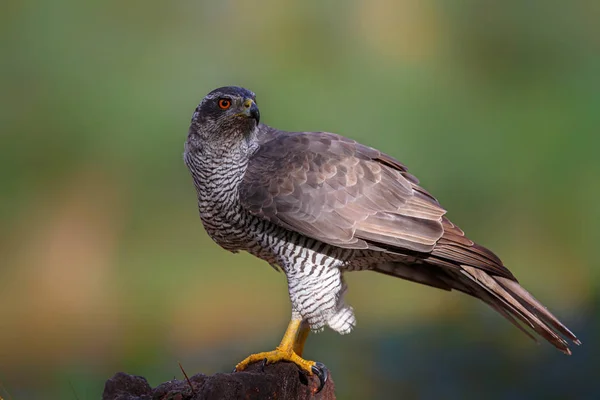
x,y
224,104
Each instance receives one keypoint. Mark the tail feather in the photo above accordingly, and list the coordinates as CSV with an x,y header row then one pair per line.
x,y
503,294
509,298
534,306
484,295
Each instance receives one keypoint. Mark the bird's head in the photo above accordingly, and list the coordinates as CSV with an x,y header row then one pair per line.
x,y
225,115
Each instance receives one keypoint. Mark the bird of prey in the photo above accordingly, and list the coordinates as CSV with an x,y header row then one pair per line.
x,y
317,205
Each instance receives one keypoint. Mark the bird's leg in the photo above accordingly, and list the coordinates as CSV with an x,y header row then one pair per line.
x,y
301,338
290,349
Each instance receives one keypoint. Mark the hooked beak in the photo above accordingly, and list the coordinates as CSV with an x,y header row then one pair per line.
x,y
251,110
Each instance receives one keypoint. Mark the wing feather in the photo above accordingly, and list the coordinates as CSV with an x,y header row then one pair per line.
x,y
338,191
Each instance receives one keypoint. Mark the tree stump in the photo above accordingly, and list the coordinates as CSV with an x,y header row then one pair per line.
x,y
275,381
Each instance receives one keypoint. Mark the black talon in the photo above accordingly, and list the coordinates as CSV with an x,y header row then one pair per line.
x,y
320,370
263,364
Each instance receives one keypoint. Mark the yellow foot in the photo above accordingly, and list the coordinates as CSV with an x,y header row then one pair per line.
x,y
271,357
290,349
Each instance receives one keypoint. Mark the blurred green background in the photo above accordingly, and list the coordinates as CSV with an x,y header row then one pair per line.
x,y
105,267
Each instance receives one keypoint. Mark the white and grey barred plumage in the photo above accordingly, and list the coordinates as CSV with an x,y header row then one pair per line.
x,y
317,205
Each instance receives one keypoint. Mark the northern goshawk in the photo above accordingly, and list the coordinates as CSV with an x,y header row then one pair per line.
x,y
318,205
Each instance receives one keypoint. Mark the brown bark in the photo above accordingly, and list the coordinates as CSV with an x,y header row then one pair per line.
x,y
277,381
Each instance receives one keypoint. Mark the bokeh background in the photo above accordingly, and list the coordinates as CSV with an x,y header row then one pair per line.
x,y
104,264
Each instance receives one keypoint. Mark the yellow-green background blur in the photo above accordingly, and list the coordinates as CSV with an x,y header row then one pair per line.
x,y
105,266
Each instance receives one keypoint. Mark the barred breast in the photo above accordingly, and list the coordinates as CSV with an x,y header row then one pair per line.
x,y
313,268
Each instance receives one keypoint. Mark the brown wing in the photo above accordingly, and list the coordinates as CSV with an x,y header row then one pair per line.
x,y
346,194
343,193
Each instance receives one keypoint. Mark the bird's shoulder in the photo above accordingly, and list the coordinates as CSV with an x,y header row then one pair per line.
x,y
321,147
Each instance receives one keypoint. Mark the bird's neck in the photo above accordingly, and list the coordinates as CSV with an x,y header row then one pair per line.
x,y
218,171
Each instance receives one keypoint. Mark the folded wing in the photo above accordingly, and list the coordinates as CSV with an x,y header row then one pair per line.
x,y
340,192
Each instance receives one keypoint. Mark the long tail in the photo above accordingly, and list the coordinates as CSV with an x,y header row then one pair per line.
x,y
458,263
512,301
503,294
